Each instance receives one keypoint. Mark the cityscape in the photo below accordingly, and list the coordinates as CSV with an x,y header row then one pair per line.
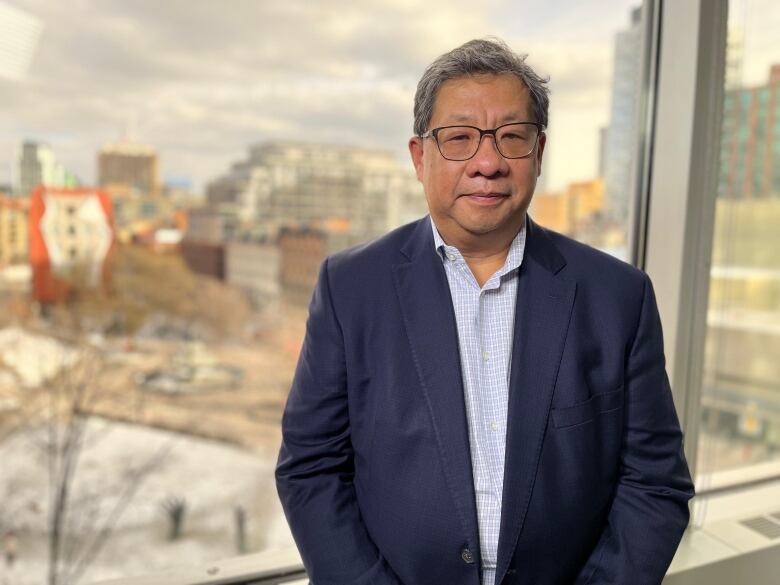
x,y
150,325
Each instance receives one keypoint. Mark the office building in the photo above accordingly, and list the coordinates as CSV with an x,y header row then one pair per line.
x,y
129,166
750,140
37,165
299,184
621,133
14,238
572,209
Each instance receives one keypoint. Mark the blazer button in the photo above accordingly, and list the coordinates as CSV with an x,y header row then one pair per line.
x,y
467,556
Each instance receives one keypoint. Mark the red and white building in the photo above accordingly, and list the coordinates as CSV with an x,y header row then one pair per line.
x,y
71,236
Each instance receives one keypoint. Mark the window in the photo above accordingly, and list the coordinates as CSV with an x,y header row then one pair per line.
x,y
187,368
740,398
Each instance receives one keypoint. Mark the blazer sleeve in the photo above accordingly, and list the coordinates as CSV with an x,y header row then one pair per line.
x,y
649,512
315,470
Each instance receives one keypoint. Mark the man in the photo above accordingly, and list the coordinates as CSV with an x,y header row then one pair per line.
x,y
480,400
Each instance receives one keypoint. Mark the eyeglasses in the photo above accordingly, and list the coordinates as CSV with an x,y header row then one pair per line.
x,y
514,140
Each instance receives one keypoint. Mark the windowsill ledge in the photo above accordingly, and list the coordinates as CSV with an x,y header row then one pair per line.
x,y
718,550
268,566
740,478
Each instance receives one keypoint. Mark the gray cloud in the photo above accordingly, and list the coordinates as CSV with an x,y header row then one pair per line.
x,y
201,80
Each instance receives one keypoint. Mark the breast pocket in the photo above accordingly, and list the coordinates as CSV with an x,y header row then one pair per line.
x,y
586,411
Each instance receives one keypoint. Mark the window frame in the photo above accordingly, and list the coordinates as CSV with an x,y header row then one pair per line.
x,y
676,249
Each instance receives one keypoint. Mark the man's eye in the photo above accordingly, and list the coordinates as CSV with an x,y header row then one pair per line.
x,y
514,136
458,137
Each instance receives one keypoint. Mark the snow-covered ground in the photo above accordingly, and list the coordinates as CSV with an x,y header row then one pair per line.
x,y
34,358
213,478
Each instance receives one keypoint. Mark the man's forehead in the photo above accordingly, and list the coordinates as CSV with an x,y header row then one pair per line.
x,y
455,104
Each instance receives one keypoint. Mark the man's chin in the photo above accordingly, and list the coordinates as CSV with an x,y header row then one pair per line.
x,y
481,230
488,226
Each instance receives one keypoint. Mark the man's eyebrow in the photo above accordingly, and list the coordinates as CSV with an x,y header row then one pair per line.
x,y
459,118
514,117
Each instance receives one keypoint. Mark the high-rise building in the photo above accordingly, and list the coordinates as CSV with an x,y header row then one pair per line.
x,y
300,184
750,140
36,165
602,162
622,129
129,166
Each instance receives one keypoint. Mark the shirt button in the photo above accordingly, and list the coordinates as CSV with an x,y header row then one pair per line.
x,y
467,556
485,356
451,257
493,426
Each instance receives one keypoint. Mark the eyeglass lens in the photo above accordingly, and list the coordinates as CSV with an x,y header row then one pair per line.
x,y
462,142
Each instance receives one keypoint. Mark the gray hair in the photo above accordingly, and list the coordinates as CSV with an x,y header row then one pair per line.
x,y
476,57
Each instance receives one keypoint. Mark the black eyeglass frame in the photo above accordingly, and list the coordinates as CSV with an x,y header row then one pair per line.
x,y
434,133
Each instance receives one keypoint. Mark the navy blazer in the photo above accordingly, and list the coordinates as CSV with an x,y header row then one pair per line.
x,y
374,472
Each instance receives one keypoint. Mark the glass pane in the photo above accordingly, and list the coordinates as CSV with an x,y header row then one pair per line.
x,y
741,392
586,188
199,160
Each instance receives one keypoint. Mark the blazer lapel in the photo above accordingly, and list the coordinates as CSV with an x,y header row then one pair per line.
x,y
429,320
544,304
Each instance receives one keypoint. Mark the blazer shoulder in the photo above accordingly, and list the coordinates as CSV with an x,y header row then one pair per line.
x,y
588,263
607,287
602,279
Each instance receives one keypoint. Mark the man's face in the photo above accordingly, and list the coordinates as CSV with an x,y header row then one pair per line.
x,y
487,194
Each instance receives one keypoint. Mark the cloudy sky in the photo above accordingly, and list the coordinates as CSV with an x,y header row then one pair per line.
x,y
202,79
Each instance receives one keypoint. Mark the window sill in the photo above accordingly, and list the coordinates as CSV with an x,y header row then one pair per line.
x,y
718,549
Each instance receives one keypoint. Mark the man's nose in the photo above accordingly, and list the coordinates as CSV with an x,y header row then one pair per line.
x,y
487,161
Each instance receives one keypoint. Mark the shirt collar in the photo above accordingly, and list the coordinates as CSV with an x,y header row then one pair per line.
x,y
513,259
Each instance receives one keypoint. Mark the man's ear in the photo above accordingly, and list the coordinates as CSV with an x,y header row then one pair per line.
x,y
416,150
540,152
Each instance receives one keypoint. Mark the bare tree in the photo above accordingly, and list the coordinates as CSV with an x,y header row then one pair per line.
x,y
80,524
81,518
175,509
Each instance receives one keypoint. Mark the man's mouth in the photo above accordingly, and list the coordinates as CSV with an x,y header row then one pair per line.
x,y
485,197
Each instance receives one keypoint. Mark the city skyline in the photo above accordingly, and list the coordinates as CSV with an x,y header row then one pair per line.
x,y
200,83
